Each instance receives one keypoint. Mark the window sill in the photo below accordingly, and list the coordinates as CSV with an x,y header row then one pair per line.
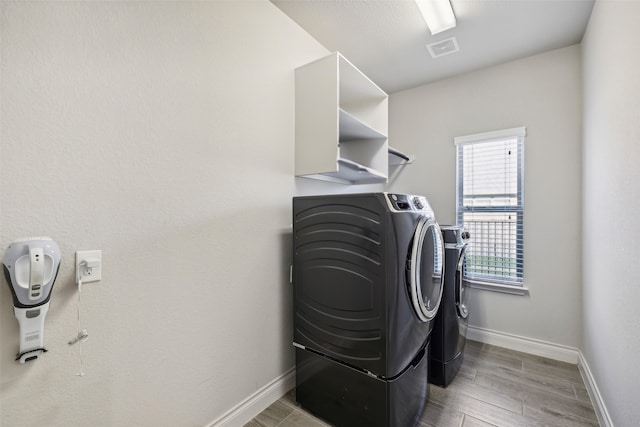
x,y
498,287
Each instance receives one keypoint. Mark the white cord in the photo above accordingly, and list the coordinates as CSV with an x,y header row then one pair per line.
x,y
82,333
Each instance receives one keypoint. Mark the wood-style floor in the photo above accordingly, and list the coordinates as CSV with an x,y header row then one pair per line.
x,y
494,387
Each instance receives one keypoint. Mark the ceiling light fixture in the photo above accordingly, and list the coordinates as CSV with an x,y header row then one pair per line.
x,y
438,15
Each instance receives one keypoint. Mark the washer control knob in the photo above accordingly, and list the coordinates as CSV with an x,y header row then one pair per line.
x,y
418,203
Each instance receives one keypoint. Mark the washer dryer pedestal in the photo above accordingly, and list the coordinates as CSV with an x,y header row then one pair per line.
x,y
348,397
443,372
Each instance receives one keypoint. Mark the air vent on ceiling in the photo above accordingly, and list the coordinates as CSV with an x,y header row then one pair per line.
x,y
443,47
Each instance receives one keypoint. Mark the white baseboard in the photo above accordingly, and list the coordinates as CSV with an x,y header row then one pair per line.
x,y
592,388
261,399
524,344
246,410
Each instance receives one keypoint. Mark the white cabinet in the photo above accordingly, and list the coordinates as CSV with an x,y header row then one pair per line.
x,y
341,123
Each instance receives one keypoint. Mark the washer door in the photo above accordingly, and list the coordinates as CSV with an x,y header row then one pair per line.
x,y
461,287
425,275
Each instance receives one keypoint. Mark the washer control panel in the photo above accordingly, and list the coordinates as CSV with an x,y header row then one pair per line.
x,y
408,202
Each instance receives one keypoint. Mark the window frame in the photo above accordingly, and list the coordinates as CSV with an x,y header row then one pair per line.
x,y
506,285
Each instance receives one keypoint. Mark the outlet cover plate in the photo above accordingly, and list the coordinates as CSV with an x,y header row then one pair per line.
x,y
89,266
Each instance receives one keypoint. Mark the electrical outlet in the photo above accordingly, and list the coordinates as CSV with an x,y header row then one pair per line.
x,y
89,266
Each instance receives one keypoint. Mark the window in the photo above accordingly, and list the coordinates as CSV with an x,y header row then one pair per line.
x,y
490,205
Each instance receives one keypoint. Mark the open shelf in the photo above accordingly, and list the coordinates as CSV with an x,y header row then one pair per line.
x,y
341,123
350,172
351,128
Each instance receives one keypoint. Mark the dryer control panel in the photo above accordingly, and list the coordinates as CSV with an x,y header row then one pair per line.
x,y
457,234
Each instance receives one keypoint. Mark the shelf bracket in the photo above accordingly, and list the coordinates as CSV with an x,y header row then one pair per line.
x,y
399,158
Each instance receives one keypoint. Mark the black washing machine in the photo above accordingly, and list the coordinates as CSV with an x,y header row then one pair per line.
x,y
450,324
367,283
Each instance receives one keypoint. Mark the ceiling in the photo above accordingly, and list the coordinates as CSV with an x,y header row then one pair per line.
x,y
386,39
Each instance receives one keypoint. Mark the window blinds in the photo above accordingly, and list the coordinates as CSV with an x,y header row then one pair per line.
x,y
490,204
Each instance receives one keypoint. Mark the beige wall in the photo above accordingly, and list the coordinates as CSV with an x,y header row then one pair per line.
x,y
161,133
611,206
543,93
